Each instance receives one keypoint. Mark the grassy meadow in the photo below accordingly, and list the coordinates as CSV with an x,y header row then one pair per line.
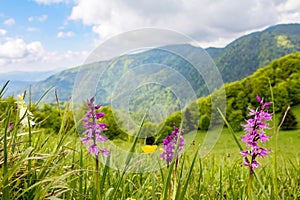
x,y
40,165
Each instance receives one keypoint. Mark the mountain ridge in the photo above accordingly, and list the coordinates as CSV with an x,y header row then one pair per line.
x,y
237,60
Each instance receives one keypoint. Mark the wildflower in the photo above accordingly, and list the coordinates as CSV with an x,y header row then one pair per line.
x,y
24,113
94,128
255,132
169,145
149,148
10,127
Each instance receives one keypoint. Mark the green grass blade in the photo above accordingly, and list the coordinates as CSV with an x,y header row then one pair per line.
x,y
129,157
153,187
5,183
80,189
185,186
167,185
230,129
276,144
200,177
104,175
220,184
261,186
43,95
3,89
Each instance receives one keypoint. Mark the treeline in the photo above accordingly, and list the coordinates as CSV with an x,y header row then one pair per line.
x,y
283,75
50,117
54,117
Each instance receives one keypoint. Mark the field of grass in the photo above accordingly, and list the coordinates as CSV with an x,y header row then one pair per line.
x,y
57,166
36,164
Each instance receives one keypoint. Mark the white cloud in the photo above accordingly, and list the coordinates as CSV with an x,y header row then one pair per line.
x,y
13,48
289,11
16,54
206,21
48,2
2,32
290,5
9,21
41,18
30,19
2,61
65,34
32,29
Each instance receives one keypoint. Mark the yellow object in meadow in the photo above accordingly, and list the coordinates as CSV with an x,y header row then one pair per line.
x,y
149,148
22,101
24,113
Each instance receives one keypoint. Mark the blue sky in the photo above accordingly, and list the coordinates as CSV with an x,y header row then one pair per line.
x,y
38,22
57,34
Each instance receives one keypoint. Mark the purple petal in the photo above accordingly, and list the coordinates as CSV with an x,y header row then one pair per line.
x,y
258,99
102,126
99,115
104,151
101,138
94,149
254,165
97,106
85,140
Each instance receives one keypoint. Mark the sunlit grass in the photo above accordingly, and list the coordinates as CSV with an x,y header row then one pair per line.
x,y
36,164
61,167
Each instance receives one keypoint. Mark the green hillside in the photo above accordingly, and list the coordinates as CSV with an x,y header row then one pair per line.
x,y
238,60
284,76
245,55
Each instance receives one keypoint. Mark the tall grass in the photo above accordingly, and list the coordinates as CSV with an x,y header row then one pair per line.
x,y
40,165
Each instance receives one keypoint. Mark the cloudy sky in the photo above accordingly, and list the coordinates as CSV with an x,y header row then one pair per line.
x,y
56,34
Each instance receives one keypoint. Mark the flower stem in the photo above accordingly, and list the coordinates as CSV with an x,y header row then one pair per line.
x,y
175,179
250,185
97,177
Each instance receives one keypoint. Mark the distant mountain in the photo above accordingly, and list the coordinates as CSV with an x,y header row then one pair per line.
x,y
245,55
15,87
19,81
237,60
160,65
26,76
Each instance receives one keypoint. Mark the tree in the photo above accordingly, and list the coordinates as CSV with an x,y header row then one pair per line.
x,y
204,122
49,118
235,118
290,121
190,118
114,124
168,125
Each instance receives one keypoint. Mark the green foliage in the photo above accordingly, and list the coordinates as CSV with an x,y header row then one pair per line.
x,y
5,104
168,125
113,124
149,130
284,75
50,117
245,55
57,166
235,117
290,122
190,118
204,122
